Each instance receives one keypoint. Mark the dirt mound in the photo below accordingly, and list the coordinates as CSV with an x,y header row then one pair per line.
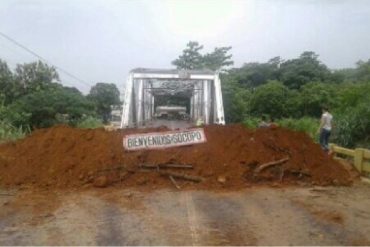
x,y
232,157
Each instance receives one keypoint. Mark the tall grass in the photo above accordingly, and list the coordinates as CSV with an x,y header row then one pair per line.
x,y
90,123
251,122
305,124
9,132
352,127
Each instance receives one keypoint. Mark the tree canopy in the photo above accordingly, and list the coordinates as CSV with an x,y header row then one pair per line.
x,y
104,95
295,73
192,58
35,76
7,90
31,95
45,108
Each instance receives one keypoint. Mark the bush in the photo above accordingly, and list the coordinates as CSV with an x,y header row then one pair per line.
x,y
10,133
45,108
251,122
305,124
271,99
353,126
89,123
352,117
235,101
314,95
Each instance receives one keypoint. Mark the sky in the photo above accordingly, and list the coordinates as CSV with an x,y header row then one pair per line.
x,y
102,40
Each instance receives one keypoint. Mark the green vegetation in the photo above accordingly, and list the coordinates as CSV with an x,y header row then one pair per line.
x,y
293,92
45,108
251,122
104,95
90,123
191,58
10,133
304,124
32,97
353,117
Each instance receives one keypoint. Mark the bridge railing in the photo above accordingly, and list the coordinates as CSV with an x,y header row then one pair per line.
x,y
361,156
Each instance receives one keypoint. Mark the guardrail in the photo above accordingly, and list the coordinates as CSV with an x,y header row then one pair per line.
x,y
361,156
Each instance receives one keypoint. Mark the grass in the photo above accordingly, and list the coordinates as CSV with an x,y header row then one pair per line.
x,y
90,123
251,122
305,124
9,132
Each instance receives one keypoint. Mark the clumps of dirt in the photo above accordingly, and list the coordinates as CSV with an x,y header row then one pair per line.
x,y
233,157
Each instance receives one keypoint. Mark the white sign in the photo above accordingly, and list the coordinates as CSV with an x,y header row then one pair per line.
x,y
166,139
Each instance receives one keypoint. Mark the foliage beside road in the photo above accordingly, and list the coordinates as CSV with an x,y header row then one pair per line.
x,y
32,97
291,91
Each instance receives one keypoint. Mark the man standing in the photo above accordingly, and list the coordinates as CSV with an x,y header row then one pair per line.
x,y
325,128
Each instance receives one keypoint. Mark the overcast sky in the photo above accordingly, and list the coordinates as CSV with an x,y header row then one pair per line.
x,y
102,40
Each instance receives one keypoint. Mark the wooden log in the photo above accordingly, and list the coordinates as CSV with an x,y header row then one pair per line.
x,y
118,168
149,166
112,168
183,176
174,182
176,166
272,163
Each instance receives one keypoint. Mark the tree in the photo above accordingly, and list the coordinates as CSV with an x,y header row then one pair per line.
x,y
7,89
35,76
190,58
45,108
271,99
352,118
217,59
255,74
363,71
104,95
314,95
295,73
235,100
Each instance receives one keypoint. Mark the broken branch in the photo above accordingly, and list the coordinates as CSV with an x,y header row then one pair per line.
x,y
174,182
183,176
166,166
265,165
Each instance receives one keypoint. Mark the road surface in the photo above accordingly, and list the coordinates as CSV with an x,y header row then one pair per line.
x,y
122,216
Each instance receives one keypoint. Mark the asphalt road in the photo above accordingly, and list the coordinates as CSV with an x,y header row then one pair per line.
x,y
254,216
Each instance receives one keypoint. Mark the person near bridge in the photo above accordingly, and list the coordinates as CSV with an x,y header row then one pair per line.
x,y
325,128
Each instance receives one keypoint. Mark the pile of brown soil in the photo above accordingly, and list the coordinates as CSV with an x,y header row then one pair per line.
x,y
62,156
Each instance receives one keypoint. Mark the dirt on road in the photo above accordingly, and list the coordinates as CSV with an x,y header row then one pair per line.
x,y
232,158
47,193
254,216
